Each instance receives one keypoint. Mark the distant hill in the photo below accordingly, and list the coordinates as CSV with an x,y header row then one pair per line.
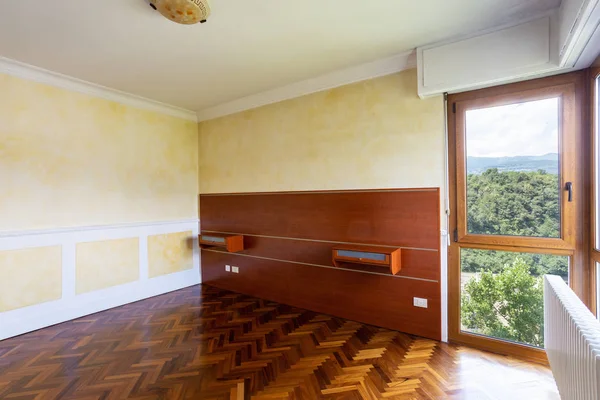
x,y
547,162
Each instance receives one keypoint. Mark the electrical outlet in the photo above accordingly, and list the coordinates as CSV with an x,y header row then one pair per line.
x,y
228,268
419,302
235,270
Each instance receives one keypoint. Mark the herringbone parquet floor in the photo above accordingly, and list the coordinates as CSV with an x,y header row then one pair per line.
x,y
206,343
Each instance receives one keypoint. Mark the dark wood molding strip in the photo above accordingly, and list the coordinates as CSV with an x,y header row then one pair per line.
x,y
393,190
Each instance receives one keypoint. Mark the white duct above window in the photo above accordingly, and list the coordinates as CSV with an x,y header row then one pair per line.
x,y
567,39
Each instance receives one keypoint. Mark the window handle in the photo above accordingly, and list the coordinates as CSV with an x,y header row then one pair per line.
x,y
569,188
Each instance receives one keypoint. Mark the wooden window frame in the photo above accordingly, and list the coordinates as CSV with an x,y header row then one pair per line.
x,y
566,94
575,247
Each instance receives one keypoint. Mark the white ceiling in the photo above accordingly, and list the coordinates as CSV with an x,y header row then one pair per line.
x,y
246,47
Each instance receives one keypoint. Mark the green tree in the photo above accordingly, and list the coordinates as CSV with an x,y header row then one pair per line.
x,y
494,261
514,203
506,305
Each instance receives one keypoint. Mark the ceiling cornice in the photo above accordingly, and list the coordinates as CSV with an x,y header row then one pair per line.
x,y
331,80
32,73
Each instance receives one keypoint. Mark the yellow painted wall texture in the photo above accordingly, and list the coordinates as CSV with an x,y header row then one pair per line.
x,y
30,276
372,134
107,263
69,159
169,253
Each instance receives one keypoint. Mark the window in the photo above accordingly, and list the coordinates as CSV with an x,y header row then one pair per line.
x,y
517,197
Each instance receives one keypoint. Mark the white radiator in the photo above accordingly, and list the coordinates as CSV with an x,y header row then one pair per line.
x,y
572,342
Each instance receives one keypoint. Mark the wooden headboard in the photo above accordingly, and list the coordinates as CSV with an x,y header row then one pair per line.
x,y
288,240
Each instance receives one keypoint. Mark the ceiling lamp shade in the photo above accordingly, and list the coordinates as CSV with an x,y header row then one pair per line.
x,y
183,11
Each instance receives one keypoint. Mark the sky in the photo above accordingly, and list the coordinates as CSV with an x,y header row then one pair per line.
x,y
524,129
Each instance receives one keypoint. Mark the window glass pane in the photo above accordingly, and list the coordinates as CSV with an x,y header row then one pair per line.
x,y
512,169
502,293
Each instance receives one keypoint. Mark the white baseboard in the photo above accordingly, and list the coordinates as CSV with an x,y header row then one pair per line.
x,y
71,305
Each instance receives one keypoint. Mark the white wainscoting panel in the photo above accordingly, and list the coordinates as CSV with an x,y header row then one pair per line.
x,y
71,306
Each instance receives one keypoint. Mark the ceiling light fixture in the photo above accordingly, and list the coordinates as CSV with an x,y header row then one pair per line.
x,y
186,12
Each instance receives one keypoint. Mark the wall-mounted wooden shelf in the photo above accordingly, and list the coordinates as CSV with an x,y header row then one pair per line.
x,y
386,257
231,243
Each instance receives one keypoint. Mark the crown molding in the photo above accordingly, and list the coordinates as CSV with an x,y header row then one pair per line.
x,y
32,73
331,80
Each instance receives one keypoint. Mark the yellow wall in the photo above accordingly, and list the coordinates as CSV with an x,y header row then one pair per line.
x,y
69,159
30,276
106,263
169,253
372,134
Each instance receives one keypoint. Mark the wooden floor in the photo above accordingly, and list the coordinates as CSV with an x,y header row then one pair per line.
x,y
206,343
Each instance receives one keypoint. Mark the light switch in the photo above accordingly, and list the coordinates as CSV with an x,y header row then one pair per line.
x,y
235,270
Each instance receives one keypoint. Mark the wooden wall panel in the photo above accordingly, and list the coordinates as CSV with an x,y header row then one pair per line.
x,y
288,239
424,264
373,299
406,218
